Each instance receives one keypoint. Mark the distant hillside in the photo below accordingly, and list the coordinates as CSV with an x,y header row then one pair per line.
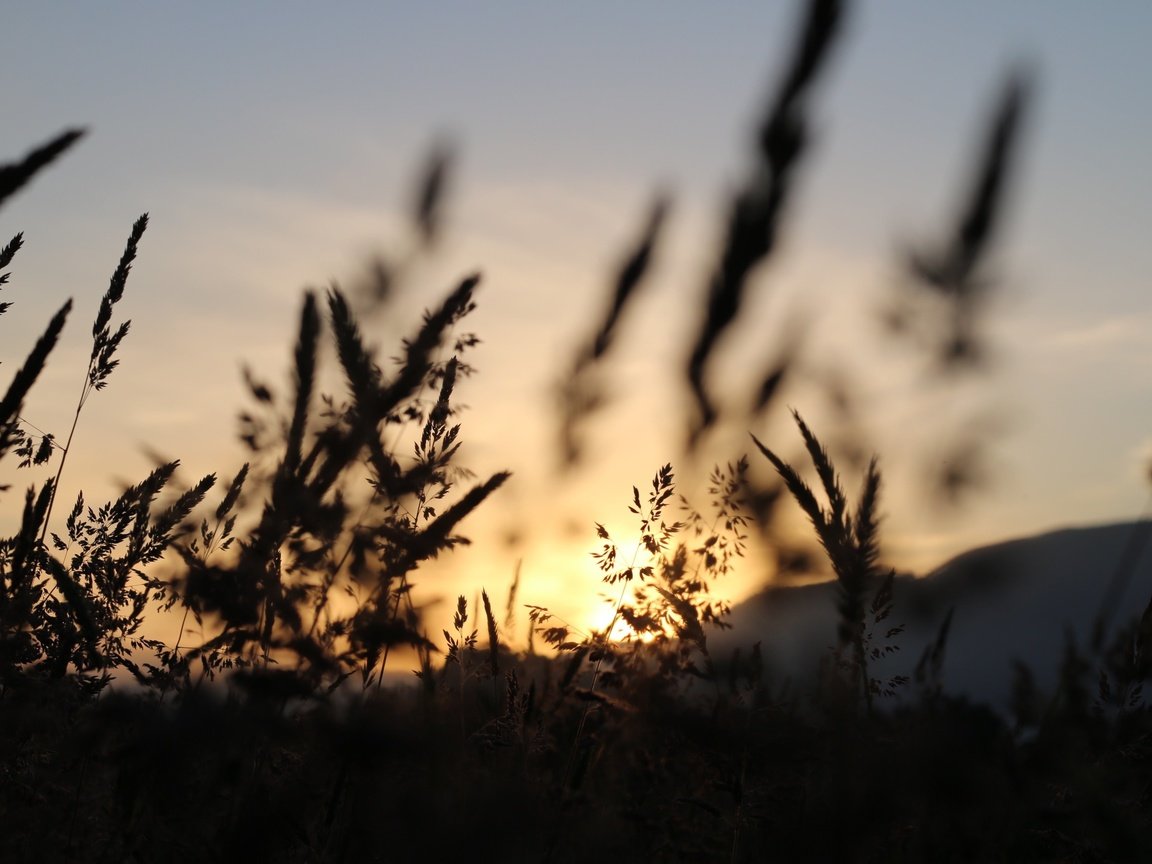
x,y
1014,601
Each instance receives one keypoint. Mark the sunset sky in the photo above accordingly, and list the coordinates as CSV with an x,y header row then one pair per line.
x,y
275,146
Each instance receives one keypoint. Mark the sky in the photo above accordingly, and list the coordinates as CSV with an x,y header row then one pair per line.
x,y
275,147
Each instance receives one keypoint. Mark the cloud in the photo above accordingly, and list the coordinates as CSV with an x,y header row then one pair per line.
x,y
1105,333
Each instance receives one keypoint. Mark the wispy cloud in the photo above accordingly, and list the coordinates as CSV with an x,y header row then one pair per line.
x,y
1112,331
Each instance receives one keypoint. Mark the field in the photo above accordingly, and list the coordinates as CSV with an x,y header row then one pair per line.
x,y
290,726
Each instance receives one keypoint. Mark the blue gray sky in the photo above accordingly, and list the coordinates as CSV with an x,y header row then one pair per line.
x,y
275,146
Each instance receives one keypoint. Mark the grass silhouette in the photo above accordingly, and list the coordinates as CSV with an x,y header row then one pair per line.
x,y
270,736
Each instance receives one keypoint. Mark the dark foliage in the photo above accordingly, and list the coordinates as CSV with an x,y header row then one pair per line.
x,y
267,734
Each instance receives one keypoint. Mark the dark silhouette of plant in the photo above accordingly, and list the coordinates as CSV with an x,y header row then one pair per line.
x,y
79,614
105,342
581,392
14,175
757,210
311,539
851,542
632,743
954,272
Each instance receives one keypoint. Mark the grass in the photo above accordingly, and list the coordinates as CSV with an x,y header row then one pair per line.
x,y
267,735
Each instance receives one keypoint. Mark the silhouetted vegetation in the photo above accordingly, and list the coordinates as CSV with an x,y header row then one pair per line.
x,y
275,734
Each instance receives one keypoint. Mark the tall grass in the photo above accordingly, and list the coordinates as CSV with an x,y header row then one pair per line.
x,y
850,540
265,731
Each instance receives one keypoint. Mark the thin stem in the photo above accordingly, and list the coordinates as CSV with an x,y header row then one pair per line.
x,y
84,393
176,647
38,429
604,638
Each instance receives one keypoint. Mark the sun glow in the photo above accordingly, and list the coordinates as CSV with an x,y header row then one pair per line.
x,y
607,616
